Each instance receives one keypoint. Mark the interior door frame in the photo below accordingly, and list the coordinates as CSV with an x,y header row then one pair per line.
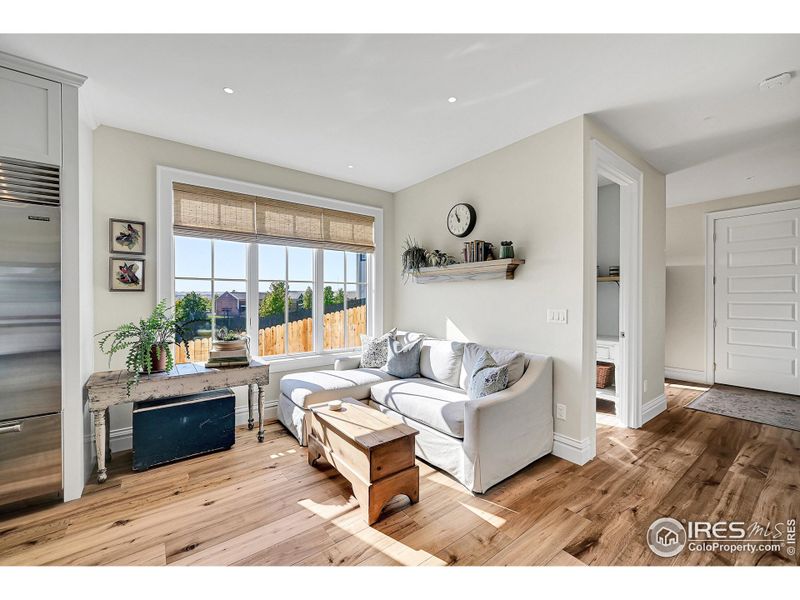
x,y
610,165
710,314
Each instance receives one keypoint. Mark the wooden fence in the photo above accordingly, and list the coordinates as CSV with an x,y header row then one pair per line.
x,y
271,340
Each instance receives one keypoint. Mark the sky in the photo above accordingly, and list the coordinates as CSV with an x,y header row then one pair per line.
x,y
193,259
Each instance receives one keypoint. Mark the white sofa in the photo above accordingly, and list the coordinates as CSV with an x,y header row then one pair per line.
x,y
479,442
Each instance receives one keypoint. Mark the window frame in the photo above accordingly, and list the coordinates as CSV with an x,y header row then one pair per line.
x,y
165,263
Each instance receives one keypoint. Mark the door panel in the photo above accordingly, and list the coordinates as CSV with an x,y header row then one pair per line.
x,y
756,301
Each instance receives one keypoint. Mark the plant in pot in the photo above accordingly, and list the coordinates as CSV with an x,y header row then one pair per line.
x,y
148,343
413,258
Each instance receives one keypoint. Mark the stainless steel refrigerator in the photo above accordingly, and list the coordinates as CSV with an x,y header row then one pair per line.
x,y
30,333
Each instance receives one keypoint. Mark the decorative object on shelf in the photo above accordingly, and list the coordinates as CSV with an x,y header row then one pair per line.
x,y
126,237
461,220
507,249
489,251
475,251
605,375
437,258
230,349
613,271
125,274
488,269
413,258
148,343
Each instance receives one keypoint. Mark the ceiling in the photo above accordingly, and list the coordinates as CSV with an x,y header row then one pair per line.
x,y
690,104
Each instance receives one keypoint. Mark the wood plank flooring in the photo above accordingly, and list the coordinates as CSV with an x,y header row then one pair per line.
x,y
261,504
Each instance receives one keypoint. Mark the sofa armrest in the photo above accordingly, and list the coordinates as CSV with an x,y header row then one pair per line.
x,y
507,430
349,362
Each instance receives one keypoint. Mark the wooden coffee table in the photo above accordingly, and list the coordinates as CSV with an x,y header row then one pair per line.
x,y
374,452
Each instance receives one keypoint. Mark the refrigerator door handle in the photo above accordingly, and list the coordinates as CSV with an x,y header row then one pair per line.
x,y
13,427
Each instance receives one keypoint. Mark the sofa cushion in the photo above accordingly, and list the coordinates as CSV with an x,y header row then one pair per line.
x,y
374,350
487,377
502,356
403,360
440,360
313,387
438,406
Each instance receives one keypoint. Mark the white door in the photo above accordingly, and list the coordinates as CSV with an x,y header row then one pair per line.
x,y
756,301
30,119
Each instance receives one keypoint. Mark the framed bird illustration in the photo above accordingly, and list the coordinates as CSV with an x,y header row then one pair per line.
x,y
126,237
126,274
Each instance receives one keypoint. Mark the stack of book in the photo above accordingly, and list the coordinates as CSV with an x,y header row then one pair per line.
x,y
228,358
475,251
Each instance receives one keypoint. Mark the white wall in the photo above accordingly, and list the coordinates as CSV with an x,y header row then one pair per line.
x,y
608,248
125,187
685,294
529,192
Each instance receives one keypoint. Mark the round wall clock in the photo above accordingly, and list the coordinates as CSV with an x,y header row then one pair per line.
x,y
461,220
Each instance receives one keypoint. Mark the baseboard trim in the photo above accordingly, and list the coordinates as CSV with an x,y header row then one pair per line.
x,y
122,437
653,408
576,451
689,375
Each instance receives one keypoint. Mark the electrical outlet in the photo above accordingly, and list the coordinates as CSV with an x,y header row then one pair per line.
x,y
557,315
561,412
644,386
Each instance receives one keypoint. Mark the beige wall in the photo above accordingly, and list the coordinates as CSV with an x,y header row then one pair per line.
x,y
531,193
125,187
653,217
686,255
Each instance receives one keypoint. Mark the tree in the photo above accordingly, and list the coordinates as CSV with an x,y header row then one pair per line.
x,y
338,297
192,307
331,297
274,302
308,299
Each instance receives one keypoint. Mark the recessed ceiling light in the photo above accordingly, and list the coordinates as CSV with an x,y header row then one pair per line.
x,y
227,90
349,166
775,81
452,99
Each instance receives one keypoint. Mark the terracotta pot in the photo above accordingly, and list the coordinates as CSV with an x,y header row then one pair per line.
x,y
158,357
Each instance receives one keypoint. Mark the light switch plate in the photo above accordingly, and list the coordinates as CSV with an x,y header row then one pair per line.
x,y
561,412
557,315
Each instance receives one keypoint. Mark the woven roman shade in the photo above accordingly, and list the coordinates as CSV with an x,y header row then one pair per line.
x,y
206,212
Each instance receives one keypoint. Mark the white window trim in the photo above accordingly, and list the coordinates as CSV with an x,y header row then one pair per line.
x,y
165,252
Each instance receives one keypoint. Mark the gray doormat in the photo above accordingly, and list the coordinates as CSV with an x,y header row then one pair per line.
x,y
779,410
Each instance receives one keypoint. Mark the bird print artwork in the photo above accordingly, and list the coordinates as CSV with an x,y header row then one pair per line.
x,y
126,274
128,237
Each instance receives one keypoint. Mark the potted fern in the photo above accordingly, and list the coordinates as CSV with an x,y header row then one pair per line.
x,y
148,343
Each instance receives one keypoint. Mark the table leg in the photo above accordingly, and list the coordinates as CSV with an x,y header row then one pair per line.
x,y
252,391
262,394
100,428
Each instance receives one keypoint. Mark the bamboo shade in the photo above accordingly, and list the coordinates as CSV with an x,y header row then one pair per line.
x,y
206,212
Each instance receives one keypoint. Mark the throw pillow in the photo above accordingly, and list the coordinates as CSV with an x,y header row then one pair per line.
x,y
375,350
487,377
403,361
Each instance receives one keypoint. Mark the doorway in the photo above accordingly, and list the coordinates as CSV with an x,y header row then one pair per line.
x,y
752,297
616,323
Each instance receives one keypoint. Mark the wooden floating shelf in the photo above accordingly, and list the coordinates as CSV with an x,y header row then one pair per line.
x,y
489,269
608,278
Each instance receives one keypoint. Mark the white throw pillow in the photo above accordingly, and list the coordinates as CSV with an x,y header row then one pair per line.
x,y
502,356
375,350
440,360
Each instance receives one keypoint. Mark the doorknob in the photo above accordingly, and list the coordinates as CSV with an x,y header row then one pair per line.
x,y
622,334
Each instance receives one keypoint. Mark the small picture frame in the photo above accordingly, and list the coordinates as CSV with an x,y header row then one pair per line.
x,y
126,237
125,274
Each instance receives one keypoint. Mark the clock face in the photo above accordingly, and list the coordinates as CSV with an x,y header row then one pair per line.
x,y
461,220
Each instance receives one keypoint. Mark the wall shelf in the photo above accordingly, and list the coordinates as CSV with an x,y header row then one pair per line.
x,y
604,278
474,271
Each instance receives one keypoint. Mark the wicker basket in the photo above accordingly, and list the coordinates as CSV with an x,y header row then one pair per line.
x,y
605,375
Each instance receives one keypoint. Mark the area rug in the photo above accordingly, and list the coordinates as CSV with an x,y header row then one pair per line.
x,y
779,410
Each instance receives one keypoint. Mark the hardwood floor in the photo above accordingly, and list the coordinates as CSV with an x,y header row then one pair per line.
x,y
261,504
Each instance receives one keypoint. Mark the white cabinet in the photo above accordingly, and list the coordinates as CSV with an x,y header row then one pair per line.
x,y
30,117
607,349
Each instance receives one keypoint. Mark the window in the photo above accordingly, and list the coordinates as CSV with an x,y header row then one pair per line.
x,y
289,271
344,299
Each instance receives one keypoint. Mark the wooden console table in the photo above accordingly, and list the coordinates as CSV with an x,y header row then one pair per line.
x,y
109,388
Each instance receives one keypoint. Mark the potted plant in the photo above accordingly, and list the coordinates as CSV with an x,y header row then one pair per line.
x,y
148,343
413,258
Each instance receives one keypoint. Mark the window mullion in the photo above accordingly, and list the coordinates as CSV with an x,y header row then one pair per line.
x,y
252,297
318,314
286,301
344,303
213,300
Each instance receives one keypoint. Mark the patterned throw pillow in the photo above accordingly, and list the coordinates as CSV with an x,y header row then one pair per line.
x,y
375,350
403,359
487,377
